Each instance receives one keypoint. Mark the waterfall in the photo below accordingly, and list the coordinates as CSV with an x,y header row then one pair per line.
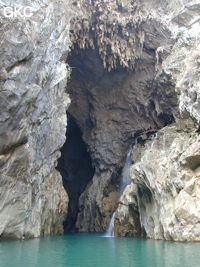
x,y
110,231
125,180
126,175
153,138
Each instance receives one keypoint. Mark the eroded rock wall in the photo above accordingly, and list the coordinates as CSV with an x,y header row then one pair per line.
x,y
165,188
141,66
135,67
118,95
112,108
165,179
33,106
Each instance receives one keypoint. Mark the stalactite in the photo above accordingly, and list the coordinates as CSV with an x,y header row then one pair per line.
x,y
120,35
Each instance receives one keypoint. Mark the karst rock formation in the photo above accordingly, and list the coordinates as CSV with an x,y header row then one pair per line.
x,y
124,75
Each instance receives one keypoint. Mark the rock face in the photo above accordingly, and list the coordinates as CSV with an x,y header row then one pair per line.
x,y
165,189
165,179
135,71
120,90
33,106
109,124
127,217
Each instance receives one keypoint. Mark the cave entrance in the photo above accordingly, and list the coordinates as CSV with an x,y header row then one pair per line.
x,y
109,109
76,169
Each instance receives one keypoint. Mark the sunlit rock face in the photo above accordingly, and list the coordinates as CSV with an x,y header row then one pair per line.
x,y
165,188
33,106
184,65
165,179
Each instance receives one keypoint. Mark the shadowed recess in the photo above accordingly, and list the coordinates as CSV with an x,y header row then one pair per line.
x,y
76,169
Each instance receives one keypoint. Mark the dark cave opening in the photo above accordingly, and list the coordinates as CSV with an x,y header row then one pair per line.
x,y
108,109
76,168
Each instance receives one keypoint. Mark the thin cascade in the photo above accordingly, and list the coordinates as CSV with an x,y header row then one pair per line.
x,y
125,180
154,138
110,231
126,175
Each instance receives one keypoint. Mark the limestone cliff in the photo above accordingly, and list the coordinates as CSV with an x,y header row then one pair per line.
x,y
33,119
134,70
119,90
141,67
164,193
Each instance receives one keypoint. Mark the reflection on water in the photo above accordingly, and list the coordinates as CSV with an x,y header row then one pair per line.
x,y
81,250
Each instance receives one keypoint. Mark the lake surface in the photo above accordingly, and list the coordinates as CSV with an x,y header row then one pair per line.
x,y
81,250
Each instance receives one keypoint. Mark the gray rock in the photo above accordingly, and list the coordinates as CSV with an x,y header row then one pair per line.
x,y
166,185
33,106
137,70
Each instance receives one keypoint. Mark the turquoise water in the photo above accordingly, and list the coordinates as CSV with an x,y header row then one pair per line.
x,y
80,250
